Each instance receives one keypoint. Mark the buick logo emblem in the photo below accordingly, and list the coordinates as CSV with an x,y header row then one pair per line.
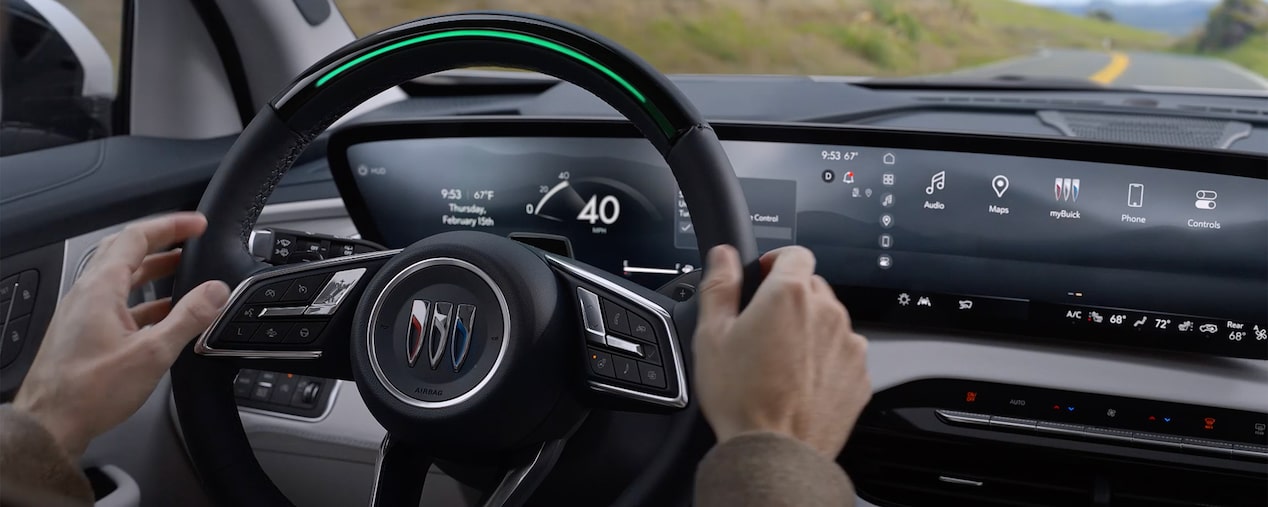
x,y
448,332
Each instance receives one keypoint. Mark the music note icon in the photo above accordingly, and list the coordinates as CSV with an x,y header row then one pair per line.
x,y
937,182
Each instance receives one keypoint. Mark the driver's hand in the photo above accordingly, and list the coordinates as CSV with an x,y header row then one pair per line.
x,y
790,363
99,361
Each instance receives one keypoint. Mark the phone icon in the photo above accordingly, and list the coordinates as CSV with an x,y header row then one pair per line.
x,y
1135,195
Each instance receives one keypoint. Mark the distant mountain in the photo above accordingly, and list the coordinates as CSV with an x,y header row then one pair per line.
x,y
1176,18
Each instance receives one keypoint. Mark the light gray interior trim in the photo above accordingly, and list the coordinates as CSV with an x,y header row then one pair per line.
x,y
178,75
283,45
149,448
98,70
126,492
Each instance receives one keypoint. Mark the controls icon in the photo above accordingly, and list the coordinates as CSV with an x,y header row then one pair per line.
x,y
1067,189
904,299
937,182
888,159
924,301
1000,184
1206,199
1135,195
884,262
887,179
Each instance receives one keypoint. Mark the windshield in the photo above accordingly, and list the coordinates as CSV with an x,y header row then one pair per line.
x,y
1203,44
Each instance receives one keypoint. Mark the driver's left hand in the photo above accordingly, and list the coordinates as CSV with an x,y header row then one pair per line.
x,y
100,359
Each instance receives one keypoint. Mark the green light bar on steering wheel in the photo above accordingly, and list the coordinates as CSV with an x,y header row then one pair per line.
x,y
529,39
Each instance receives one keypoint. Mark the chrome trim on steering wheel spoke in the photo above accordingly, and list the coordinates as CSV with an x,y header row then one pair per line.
x,y
202,348
661,314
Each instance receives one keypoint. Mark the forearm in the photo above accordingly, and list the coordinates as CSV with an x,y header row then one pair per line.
x,y
770,470
34,469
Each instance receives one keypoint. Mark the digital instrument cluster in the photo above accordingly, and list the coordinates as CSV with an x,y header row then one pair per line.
x,y
910,230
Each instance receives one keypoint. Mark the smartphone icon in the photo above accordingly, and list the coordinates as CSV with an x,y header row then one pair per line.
x,y
1135,195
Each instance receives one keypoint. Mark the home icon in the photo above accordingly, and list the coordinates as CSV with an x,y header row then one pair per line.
x,y
888,159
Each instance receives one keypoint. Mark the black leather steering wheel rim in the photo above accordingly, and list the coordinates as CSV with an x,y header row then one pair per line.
x,y
269,145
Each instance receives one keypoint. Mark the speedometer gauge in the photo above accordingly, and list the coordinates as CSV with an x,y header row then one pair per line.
x,y
597,202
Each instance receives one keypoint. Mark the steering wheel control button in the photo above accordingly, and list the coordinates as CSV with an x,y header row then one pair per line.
x,y
7,287
601,363
304,332
305,289
615,317
683,292
335,292
238,332
248,313
651,354
272,332
652,375
15,336
281,311
626,369
641,329
591,314
24,295
625,345
270,293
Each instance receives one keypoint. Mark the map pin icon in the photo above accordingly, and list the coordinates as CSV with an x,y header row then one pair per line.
x,y
1000,184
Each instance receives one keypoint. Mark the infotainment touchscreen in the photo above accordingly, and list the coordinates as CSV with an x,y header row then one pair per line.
x,y
1022,245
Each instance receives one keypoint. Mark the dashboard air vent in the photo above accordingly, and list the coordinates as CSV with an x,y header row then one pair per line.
x,y
1150,129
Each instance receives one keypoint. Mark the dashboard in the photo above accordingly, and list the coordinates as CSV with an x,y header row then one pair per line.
x,y
1022,239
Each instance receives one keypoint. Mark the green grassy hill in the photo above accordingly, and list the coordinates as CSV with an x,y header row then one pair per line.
x,y
1236,30
843,37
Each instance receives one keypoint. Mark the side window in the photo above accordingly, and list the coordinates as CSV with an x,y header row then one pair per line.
x,y
58,72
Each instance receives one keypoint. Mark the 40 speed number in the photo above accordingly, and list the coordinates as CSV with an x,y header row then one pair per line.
x,y
606,209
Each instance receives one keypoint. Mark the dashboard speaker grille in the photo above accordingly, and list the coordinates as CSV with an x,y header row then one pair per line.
x,y
1150,129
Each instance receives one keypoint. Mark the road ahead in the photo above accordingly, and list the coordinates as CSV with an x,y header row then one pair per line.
x,y
1117,68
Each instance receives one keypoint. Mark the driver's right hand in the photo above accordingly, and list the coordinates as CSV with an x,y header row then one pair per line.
x,y
790,363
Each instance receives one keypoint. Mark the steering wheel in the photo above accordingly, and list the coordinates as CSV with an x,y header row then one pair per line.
x,y
467,347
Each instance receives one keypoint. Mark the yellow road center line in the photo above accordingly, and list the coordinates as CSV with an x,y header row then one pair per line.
x,y
1117,64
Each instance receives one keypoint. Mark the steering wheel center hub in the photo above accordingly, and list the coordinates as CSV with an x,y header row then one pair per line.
x,y
437,332
459,334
